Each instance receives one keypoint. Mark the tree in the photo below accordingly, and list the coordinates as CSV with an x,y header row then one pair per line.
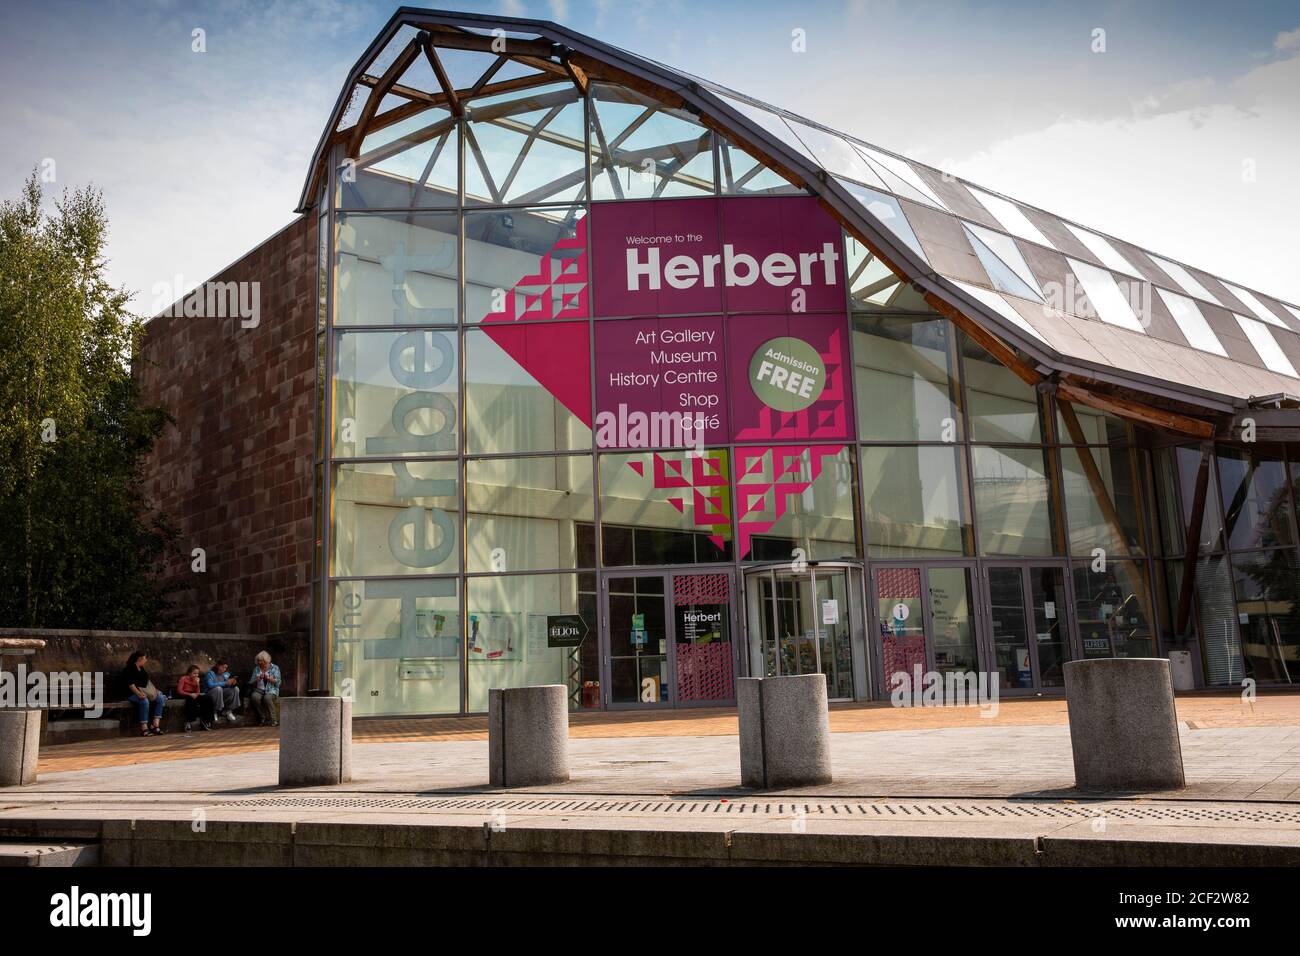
x,y
78,545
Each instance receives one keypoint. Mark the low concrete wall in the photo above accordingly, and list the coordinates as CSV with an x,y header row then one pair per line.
x,y
785,732
528,735
315,741
170,653
1123,725
20,744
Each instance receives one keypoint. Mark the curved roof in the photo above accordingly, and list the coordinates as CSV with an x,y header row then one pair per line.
x,y
1108,323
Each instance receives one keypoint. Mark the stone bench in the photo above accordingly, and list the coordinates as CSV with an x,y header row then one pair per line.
x,y
315,741
528,735
785,732
1123,726
20,746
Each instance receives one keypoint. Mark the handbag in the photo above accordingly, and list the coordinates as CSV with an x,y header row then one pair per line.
x,y
150,691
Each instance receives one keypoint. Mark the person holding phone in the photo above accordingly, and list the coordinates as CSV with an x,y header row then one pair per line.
x,y
264,690
223,688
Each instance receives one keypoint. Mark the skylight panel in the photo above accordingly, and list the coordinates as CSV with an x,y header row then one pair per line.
x,y
1005,248
771,123
1185,279
1262,338
1105,295
1011,217
836,156
887,210
1262,312
999,305
1192,323
901,170
1103,250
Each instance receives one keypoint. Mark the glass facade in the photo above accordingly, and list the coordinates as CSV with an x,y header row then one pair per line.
x,y
562,372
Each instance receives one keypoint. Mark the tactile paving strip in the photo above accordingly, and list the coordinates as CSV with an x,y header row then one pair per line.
x,y
879,810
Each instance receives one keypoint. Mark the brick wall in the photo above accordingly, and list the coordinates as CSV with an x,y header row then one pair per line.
x,y
235,472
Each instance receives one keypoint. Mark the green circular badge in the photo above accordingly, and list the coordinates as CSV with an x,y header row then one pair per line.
x,y
787,374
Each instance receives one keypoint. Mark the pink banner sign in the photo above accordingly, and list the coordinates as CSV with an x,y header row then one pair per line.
x,y
682,256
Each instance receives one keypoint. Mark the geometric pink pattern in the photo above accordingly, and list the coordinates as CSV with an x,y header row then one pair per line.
x,y
704,671
768,478
703,482
701,589
899,653
561,364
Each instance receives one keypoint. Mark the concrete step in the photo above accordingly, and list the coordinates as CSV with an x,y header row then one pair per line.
x,y
80,729
49,854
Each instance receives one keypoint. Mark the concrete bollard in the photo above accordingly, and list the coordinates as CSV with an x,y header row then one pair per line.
x,y
528,735
20,746
785,731
315,741
1123,726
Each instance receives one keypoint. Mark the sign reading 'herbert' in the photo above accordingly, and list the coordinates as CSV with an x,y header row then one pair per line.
x,y
673,257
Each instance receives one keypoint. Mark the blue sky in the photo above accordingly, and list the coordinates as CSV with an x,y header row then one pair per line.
x,y
1183,136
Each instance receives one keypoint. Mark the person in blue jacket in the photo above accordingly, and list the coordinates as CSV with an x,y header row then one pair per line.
x,y
220,685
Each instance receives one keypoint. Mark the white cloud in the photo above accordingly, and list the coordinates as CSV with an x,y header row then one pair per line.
x,y
1176,181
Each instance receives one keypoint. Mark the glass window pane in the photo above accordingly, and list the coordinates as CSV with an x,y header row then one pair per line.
x,y
1088,426
527,514
915,501
743,175
1256,499
669,507
1100,247
527,388
525,265
395,393
505,632
1192,323
397,269
642,149
904,379
1011,216
1102,500
411,163
526,146
796,497
953,620
1267,583
1013,500
1115,610
1217,612
1261,337
399,643
836,155
1173,532
1105,296
395,518
1189,463
1001,407
887,210
1003,262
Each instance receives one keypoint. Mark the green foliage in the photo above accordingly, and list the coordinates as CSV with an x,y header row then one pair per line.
x,y
78,546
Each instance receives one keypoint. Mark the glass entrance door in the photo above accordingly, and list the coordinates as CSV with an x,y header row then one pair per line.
x,y
802,622
926,616
668,639
1028,624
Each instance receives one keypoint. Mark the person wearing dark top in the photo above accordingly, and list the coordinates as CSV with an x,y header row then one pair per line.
x,y
136,681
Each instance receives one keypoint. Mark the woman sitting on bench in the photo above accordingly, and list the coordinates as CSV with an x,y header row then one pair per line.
x,y
148,700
